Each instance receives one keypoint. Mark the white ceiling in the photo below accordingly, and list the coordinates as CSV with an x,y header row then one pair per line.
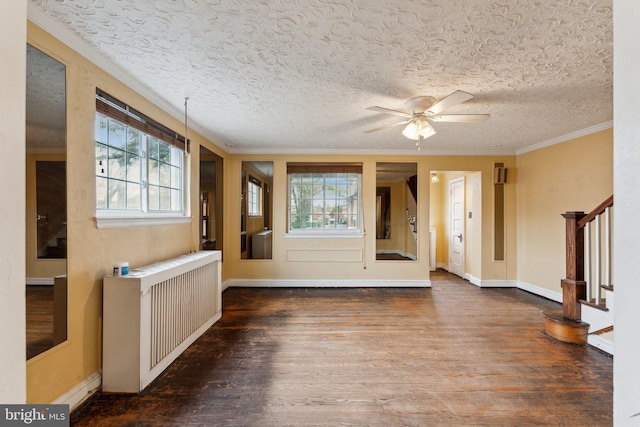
x,y
285,76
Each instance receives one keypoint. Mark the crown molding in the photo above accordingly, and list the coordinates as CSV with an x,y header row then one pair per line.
x,y
567,137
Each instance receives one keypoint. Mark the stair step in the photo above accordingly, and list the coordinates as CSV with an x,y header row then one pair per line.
x,y
565,329
602,331
602,306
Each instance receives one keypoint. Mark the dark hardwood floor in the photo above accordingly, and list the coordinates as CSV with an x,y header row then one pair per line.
x,y
451,355
39,318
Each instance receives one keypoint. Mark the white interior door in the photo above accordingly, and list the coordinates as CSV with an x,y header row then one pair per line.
x,y
456,229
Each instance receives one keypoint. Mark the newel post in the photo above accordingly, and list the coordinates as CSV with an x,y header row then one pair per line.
x,y
573,286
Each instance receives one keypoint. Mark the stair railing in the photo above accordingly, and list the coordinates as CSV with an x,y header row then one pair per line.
x,y
597,227
584,257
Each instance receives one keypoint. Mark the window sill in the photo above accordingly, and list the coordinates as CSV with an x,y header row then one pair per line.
x,y
324,235
147,220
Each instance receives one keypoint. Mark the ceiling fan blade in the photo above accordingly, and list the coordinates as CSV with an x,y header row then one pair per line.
x,y
463,118
387,126
389,111
455,98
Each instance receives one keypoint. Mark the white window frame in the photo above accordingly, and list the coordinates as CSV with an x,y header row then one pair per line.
x,y
356,232
142,215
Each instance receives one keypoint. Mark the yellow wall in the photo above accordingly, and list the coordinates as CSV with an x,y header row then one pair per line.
x,y
91,252
299,258
576,175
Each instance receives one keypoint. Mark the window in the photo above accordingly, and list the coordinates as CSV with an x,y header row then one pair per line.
x,y
324,198
254,192
139,163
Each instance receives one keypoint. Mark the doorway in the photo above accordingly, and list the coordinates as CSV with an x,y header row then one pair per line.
x,y
455,218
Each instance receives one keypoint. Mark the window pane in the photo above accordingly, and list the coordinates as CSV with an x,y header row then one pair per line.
x,y
133,168
154,198
165,199
164,152
176,200
116,164
117,134
153,148
176,157
154,172
101,193
165,175
102,129
101,160
134,139
176,177
133,196
117,197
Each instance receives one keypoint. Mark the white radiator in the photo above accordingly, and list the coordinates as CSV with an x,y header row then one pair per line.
x,y
153,314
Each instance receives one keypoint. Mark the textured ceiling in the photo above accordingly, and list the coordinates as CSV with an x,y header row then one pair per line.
x,y
297,75
46,103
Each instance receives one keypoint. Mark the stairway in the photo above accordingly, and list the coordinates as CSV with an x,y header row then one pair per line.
x,y
589,261
600,320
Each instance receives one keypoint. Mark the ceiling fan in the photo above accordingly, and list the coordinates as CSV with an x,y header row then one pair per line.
x,y
424,110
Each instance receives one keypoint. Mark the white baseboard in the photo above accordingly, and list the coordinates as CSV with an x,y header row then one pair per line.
x,y
601,342
81,392
291,283
543,292
39,281
490,283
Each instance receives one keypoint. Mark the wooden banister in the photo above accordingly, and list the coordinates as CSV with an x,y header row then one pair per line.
x,y
597,211
574,285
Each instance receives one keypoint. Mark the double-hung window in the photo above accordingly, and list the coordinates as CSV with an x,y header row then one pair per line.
x,y
139,164
324,199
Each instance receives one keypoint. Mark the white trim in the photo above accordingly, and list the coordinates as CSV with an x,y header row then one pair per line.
x,y
293,283
602,343
141,221
324,234
537,290
81,391
48,281
567,137
410,150
489,283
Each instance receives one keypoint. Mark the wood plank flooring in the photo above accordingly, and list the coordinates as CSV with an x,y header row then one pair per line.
x,y
39,318
451,355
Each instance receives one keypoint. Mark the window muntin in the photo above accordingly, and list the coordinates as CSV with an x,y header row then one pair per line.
x,y
136,172
324,201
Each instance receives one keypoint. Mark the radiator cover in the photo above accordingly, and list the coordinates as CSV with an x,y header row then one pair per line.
x,y
153,314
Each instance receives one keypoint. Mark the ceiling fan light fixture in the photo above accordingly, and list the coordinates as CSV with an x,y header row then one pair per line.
x,y
417,129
